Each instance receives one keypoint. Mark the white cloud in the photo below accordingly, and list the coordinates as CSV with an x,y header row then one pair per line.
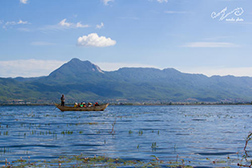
x,y
93,40
13,23
208,71
23,1
107,1
161,1
22,22
109,66
79,25
210,45
222,71
100,26
64,23
16,23
28,68
35,68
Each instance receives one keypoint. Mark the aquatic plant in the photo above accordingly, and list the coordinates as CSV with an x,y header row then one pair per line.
x,y
113,128
154,145
95,161
245,156
67,132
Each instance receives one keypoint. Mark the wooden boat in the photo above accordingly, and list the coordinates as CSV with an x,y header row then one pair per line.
x,y
93,108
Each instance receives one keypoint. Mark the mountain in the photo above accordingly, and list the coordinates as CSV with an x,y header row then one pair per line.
x,y
84,81
74,71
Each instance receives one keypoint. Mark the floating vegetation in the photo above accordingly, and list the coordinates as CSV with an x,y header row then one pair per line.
x,y
67,132
113,128
95,161
246,162
154,146
104,161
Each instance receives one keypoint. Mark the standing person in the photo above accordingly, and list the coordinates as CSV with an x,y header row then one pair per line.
x,y
62,100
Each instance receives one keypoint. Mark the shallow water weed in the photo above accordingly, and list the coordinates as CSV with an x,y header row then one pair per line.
x,y
96,161
154,146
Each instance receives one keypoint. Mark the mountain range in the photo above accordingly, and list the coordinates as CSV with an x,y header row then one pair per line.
x,y
83,81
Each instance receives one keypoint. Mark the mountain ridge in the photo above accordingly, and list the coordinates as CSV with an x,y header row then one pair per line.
x,y
82,80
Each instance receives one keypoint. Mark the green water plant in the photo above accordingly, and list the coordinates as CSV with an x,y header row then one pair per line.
x,y
246,155
130,132
113,128
154,146
95,161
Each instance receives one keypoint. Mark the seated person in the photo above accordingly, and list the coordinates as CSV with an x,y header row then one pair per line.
x,y
89,104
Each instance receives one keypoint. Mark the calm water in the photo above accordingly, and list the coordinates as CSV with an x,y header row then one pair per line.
x,y
198,134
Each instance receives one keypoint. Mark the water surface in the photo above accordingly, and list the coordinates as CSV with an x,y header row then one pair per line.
x,y
199,134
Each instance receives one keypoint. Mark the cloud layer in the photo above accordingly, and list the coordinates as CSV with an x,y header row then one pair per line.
x,y
64,23
100,26
107,1
13,23
93,40
161,1
210,45
35,68
222,71
23,1
109,66
28,68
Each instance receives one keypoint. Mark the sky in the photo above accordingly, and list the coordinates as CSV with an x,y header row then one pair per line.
x,y
210,37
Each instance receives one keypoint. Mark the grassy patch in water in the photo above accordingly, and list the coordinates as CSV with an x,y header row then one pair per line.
x,y
104,161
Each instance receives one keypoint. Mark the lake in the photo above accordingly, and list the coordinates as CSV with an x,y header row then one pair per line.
x,y
193,135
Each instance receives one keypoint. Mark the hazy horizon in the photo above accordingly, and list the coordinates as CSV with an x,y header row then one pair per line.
x,y
38,67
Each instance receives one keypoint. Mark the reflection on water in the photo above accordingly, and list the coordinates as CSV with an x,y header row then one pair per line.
x,y
129,132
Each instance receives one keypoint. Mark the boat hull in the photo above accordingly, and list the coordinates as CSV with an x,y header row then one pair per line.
x,y
93,108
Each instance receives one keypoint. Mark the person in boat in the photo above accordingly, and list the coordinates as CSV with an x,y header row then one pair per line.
x,y
75,104
84,104
89,104
62,100
96,104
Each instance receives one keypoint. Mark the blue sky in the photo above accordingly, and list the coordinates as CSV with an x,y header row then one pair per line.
x,y
37,36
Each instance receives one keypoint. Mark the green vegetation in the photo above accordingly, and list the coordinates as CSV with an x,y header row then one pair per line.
x,y
82,80
103,161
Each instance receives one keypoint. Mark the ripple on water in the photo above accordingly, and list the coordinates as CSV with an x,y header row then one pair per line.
x,y
130,132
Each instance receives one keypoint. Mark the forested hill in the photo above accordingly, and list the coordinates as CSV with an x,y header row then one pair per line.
x,y
84,81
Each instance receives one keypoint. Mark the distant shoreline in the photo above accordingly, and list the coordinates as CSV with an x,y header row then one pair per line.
x,y
138,104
